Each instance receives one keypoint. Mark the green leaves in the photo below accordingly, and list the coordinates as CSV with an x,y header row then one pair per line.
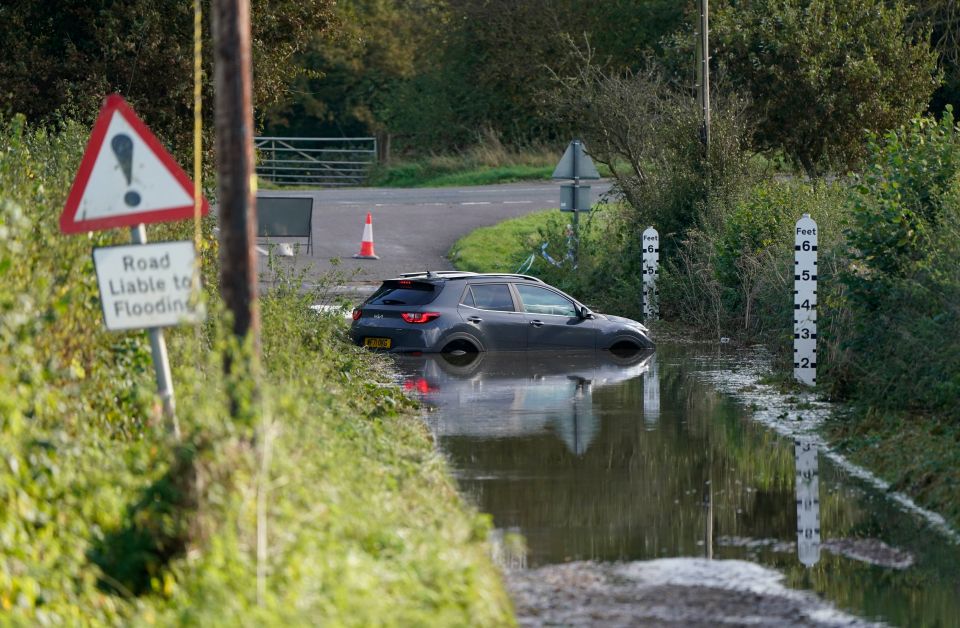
x,y
902,285
822,72
60,60
908,189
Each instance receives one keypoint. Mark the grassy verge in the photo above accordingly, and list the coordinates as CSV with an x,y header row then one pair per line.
x,y
516,245
486,163
919,456
330,508
423,175
502,247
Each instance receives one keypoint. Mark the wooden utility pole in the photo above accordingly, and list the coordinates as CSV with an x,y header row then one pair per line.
x,y
703,70
235,170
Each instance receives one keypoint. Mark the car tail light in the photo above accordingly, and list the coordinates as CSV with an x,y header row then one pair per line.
x,y
420,317
357,313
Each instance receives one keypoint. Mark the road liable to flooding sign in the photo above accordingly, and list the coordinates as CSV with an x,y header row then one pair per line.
x,y
147,285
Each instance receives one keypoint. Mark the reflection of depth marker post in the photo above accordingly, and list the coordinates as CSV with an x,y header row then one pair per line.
x,y
805,302
808,502
158,346
651,395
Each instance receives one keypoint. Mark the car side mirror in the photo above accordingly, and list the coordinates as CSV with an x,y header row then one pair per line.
x,y
583,312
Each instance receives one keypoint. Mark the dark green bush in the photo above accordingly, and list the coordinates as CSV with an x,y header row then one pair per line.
x,y
896,346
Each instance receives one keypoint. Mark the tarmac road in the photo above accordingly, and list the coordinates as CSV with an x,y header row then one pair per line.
x,y
413,228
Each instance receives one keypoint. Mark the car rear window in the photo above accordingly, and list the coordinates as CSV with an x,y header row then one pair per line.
x,y
404,292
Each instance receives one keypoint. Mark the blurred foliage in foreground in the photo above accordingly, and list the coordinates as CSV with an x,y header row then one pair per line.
x,y
333,509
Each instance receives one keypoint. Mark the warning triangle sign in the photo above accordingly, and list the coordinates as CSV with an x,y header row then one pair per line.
x,y
575,164
126,177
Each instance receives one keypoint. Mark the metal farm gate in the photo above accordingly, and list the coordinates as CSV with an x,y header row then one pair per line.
x,y
315,161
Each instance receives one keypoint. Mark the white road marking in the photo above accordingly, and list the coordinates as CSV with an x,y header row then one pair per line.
x,y
478,203
517,202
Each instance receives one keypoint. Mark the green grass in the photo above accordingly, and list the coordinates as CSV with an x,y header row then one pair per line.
x,y
504,246
485,163
919,456
420,175
328,506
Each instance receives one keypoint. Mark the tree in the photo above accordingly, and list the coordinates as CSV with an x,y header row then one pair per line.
x,y
441,73
942,17
353,76
624,32
59,59
646,130
821,73
486,71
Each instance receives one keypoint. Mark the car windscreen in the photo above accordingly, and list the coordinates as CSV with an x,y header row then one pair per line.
x,y
404,292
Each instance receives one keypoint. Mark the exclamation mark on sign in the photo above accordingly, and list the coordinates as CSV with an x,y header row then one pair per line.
x,y
122,147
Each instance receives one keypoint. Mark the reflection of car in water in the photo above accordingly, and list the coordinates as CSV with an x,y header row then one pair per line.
x,y
510,395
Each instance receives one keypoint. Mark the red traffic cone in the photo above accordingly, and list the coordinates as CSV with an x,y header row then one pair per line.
x,y
366,245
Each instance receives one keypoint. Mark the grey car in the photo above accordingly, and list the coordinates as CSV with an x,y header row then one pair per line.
x,y
453,311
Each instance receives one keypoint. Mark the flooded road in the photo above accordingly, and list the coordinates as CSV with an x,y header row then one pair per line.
x,y
627,490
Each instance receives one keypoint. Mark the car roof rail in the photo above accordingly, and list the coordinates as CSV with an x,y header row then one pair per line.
x,y
515,275
437,273
464,274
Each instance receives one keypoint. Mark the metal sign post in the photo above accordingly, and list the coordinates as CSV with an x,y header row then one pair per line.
x,y
651,272
805,302
158,347
575,164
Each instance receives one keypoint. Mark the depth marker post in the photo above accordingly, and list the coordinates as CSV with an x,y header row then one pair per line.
x,y
805,302
651,272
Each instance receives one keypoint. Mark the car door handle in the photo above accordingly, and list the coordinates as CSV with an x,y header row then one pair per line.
x,y
536,323
474,319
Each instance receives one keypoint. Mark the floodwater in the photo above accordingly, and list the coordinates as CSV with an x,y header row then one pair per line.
x,y
639,465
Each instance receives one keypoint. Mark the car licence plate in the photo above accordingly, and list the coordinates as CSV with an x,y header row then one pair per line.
x,y
377,343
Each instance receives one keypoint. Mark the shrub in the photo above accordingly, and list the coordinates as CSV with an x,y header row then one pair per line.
x,y
895,346
738,280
